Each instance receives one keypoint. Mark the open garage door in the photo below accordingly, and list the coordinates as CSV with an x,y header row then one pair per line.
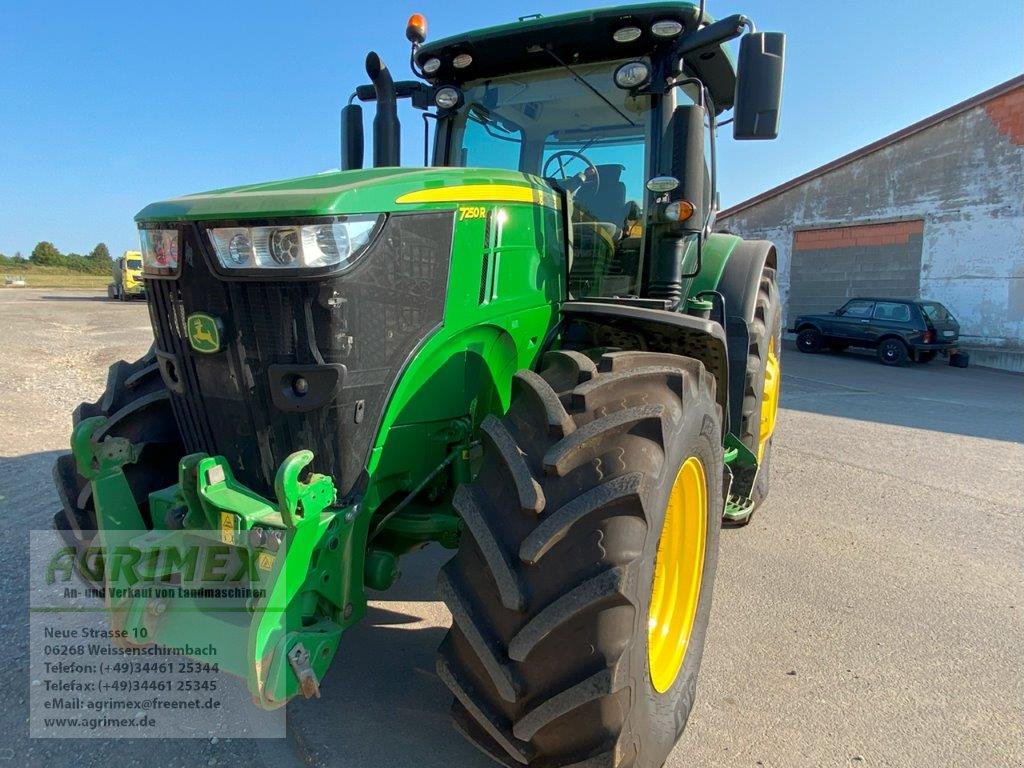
x,y
832,265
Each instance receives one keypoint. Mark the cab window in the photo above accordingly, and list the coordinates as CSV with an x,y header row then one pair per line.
x,y
857,308
490,143
134,264
583,135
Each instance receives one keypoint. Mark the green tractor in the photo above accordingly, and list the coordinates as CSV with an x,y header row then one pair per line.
x,y
534,351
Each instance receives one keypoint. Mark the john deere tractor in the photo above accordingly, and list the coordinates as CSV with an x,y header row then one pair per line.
x,y
534,351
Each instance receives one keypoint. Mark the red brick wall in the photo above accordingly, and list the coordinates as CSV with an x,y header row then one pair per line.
x,y
1007,112
895,233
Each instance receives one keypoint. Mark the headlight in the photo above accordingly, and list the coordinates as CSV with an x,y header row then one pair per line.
x,y
447,97
430,66
332,243
159,250
632,74
667,28
626,34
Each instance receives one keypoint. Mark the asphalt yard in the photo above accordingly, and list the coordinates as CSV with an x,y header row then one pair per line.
x,y
870,615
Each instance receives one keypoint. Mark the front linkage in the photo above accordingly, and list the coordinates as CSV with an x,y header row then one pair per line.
x,y
297,558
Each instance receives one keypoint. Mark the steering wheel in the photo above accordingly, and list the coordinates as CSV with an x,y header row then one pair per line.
x,y
589,176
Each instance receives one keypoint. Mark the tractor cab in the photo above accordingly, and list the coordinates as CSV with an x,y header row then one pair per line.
x,y
615,109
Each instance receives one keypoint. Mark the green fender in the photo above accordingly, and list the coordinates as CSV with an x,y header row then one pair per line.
x,y
732,266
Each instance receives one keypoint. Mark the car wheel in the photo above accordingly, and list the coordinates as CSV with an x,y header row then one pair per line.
x,y
808,340
892,352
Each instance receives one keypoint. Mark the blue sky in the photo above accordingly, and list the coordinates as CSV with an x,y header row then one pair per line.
x,y
105,107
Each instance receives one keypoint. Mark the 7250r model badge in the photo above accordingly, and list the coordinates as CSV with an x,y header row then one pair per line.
x,y
203,332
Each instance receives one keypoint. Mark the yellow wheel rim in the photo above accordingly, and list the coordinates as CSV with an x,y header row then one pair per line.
x,y
770,398
678,569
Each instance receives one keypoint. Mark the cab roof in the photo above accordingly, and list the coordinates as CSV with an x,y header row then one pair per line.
x,y
580,37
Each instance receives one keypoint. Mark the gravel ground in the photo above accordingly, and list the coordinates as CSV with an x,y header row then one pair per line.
x,y
869,616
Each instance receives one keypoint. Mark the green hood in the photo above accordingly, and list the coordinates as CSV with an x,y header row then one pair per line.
x,y
371,190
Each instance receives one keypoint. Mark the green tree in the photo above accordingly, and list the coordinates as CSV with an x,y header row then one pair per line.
x,y
45,254
100,253
99,259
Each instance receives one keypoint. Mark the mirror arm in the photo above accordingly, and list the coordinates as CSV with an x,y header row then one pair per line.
x,y
721,31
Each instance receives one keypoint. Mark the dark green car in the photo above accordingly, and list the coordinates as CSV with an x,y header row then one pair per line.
x,y
898,329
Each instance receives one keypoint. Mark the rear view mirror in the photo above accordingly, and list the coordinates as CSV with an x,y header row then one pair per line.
x,y
759,85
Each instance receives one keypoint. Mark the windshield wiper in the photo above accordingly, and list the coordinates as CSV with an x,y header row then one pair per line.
x,y
592,89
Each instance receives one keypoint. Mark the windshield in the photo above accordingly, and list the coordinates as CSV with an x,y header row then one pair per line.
x,y
936,312
134,263
589,141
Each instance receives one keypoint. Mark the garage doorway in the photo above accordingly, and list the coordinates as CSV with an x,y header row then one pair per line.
x,y
832,265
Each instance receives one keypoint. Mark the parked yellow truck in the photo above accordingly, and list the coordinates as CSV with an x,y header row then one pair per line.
x,y
127,273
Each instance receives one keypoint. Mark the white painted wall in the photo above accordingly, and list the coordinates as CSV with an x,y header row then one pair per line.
x,y
966,180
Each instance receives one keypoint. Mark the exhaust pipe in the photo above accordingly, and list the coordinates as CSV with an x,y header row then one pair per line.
x,y
386,129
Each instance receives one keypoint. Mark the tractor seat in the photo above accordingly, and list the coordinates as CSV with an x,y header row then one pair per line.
x,y
608,202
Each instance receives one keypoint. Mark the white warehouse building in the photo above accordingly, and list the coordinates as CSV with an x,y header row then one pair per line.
x,y
934,211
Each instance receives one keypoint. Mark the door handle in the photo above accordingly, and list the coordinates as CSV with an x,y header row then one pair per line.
x,y
865,321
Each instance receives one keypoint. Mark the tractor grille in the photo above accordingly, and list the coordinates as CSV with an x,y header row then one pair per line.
x,y
348,337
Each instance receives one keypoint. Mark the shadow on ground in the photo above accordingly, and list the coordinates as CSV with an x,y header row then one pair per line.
x,y
978,402
80,297
382,702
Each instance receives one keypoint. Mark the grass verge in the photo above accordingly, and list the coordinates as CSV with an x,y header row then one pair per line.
x,y
51,277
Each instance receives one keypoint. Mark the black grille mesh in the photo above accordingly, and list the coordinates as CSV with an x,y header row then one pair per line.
x,y
370,320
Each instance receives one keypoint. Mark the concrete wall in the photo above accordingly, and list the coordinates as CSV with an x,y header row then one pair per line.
x,y
964,177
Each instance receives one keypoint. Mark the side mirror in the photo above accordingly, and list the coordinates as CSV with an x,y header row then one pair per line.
x,y
759,85
351,137
683,159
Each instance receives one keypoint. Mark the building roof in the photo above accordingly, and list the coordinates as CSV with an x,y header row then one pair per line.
x,y
910,130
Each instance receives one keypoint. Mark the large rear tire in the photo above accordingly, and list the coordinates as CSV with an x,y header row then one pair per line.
x,y
566,648
761,389
137,405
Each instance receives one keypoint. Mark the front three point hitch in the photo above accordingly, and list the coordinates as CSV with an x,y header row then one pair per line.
x,y
286,559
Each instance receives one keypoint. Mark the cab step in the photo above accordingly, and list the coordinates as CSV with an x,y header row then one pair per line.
x,y
738,509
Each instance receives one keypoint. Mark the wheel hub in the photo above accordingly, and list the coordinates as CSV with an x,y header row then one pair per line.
x,y
678,571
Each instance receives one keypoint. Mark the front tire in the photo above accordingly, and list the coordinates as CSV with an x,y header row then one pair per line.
x,y
551,591
137,406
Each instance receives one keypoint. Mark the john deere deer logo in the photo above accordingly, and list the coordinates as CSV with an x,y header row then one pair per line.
x,y
203,333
